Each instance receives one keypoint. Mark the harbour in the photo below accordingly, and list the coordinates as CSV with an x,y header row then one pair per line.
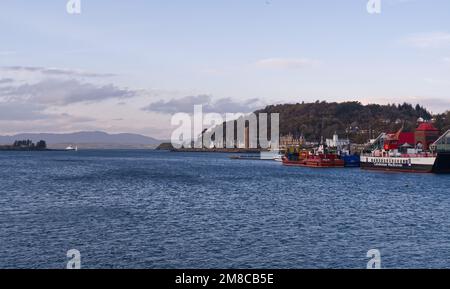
x,y
423,151
225,144
156,209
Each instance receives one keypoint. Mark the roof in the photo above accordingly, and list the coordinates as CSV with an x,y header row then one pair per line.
x,y
426,126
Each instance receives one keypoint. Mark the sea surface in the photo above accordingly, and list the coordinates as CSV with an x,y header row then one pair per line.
x,y
149,209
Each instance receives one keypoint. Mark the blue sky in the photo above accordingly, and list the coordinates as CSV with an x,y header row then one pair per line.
x,y
117,58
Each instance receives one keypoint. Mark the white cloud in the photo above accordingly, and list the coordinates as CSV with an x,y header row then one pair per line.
x,y
186,105
433,104
429,40
54,71
286,63
6,80
43,99
62,92
56,86
21,111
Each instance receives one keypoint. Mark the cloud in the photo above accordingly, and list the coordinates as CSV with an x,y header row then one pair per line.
x,y
38,99
436,105
447,59
55,71
54,86
225,105
63,92
6,80
186,104
23,112
433,104
12,111
429,40
286,63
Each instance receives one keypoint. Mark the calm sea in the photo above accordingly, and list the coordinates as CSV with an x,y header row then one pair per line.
x,y
145,209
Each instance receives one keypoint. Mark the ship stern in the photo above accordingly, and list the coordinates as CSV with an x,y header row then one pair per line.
x,y
442,163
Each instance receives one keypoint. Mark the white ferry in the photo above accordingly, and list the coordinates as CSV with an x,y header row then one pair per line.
x,y
422,151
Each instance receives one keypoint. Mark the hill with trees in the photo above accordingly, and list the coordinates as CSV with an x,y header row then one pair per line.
x,y
354,120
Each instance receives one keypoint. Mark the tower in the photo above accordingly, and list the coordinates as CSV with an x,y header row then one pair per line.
x,y
426,134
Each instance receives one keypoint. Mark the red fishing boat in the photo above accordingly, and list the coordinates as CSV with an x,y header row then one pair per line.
x,y
313,160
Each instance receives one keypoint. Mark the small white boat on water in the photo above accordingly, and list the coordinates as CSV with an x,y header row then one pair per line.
x,y
277,155
274,155
71,148
278,158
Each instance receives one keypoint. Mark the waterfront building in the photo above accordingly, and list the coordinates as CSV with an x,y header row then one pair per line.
x,y
335,142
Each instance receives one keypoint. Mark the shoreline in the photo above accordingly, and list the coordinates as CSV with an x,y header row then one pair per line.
x,y
224,150
31,150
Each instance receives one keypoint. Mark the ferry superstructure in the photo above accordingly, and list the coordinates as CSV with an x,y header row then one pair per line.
x,y
420,152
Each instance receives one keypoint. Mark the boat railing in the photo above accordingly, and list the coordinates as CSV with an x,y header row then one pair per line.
x,y
443,147
443,143
387,155
424,155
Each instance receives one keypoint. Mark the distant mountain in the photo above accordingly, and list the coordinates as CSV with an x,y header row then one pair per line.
x,y
95,139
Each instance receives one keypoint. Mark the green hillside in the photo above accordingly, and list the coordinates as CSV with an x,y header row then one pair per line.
x,y
358,122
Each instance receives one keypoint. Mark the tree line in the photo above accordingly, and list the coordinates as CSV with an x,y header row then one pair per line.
x,y
352,119
29,144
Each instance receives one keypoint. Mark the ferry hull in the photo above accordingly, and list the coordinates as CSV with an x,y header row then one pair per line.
x,y
442,164
438,165
352,161
315,163
403,168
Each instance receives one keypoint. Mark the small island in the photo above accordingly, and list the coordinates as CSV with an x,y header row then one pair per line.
x,y
25,145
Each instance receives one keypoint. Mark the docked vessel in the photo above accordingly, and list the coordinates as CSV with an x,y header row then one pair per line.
x,y
276,155
351,160
318,159
333,153
278,158
342,148
262,156
422,151
246,157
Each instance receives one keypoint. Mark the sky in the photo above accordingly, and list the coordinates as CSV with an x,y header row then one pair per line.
x,y
128,66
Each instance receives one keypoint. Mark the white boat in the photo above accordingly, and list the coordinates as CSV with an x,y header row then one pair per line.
x,y
436,160
71,148
278,158
275,155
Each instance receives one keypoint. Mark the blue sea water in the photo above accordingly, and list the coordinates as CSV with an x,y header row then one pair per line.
x,y
149,209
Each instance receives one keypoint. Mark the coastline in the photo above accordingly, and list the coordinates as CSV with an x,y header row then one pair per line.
x,y
224,150
30,150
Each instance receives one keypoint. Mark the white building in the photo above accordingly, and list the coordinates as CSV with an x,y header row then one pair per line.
x,y
335,142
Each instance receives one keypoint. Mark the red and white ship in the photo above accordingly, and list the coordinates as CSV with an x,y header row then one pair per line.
x,y
421,151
